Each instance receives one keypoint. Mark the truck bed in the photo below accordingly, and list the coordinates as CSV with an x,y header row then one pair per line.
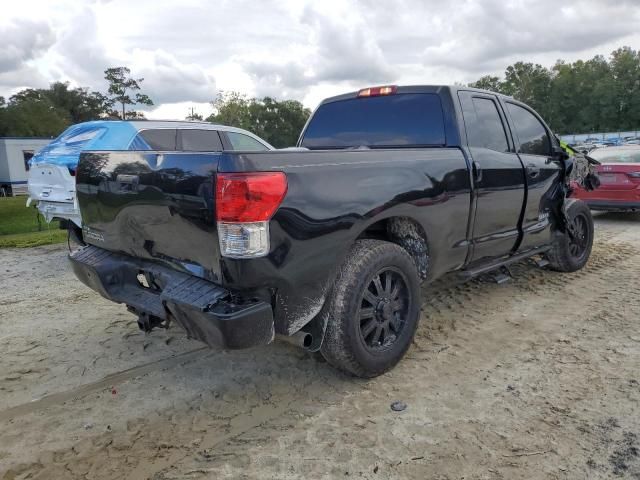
x,y
160,207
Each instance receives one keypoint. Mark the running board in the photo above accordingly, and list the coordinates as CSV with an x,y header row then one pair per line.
x,y
502,275
489,267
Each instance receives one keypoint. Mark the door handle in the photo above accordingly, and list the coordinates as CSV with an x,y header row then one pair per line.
x,y
477,171
132,179
533,170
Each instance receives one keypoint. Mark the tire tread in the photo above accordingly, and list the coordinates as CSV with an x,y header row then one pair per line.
x,y
351,278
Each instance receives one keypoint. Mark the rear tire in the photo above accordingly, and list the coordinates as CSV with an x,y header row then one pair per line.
x,y
569,253
374,310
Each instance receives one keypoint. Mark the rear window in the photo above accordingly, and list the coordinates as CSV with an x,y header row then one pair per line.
x,y
240,141
200,140
402,120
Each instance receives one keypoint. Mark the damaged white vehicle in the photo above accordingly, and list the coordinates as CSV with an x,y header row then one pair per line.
x,y
52,171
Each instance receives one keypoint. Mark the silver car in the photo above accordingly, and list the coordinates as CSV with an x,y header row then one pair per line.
x,y
51,180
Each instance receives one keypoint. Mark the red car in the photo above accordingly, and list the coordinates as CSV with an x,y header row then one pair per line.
x,y
619,175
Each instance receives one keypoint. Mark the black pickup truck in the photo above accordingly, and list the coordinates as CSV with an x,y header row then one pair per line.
x,y
326,244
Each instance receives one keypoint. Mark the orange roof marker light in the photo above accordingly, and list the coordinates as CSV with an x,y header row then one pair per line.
x,y
376,91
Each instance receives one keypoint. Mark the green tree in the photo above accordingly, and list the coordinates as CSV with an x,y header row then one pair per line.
x,y
193,115
488,82
231,108
33,117
278,122
584,96
625,70
125,90
528,83
48,111
81,104
3,117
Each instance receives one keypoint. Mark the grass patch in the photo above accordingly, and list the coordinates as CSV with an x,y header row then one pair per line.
x,y
25,227
33,239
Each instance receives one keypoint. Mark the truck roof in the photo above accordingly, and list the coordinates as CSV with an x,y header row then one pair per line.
x,y
140,124
452,89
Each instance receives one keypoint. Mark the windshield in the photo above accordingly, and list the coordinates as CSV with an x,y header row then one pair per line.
x,y
401,120
628,154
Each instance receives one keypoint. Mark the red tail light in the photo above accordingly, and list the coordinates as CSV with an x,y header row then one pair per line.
x,y
249,197
376,91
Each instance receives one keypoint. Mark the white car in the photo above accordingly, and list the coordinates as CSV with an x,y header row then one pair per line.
x,y
52,171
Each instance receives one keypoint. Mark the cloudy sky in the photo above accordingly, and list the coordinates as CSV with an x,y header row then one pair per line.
x,y
188,50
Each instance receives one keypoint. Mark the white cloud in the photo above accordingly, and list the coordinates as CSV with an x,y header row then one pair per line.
x,y
179,110
21,40
167,80
487,35
304,49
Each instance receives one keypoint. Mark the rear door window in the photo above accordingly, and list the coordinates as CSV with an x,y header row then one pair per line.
x,y
193,140
240,141
484,126
398,120
534,139
163,139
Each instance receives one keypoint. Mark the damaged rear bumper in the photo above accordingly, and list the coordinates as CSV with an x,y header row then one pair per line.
x,y
206,311
63,210
54,189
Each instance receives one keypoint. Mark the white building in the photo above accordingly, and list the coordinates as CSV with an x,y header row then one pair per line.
x,y
15,153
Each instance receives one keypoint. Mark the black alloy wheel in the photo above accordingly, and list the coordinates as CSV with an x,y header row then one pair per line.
x,y
374,309
578,236
383,309
571,246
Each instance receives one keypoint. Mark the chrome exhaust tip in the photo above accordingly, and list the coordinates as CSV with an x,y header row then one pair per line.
x,y
300,339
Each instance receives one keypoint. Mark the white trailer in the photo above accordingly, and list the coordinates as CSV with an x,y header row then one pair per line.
x,y
15,153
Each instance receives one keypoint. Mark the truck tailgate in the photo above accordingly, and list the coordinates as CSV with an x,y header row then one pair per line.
x,y
152,205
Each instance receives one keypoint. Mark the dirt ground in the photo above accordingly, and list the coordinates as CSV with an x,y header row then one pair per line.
x,y
535,378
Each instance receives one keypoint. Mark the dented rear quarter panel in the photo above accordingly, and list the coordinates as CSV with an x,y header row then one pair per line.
x,y
332,198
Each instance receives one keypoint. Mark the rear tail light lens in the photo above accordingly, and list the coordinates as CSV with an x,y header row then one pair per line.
x,y
249,197
245,202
